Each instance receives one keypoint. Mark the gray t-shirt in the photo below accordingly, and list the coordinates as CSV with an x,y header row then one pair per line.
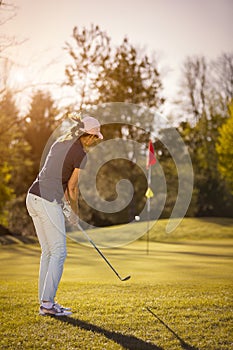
x,y
60,162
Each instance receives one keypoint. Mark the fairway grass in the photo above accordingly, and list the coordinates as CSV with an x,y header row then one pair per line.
x,y
179,297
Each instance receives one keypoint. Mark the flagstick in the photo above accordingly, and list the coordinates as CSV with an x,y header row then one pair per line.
x,y
150,161
148,210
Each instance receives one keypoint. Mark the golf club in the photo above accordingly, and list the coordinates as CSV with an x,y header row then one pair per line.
x,y
102,255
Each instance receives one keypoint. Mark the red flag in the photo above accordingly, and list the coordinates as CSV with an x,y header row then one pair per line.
x,y
151,160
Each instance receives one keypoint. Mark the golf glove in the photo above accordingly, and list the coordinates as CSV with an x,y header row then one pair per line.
x,y
73,218
69,214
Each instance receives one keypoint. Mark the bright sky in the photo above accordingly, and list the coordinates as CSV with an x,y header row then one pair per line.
x,y
173,29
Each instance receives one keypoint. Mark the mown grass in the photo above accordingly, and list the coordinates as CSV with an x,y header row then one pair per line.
x,y
188,229
196,229
179,297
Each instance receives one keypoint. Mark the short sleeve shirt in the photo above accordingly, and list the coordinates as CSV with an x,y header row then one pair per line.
x,y
60,162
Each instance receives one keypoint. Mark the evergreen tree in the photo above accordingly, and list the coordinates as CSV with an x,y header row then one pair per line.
x,y
14,151
40,122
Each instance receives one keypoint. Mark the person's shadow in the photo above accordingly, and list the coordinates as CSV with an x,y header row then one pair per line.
x,y
183,344
126,341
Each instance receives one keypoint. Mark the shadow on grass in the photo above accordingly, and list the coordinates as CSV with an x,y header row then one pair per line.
x,y
209,255
126,341
183,344
219,221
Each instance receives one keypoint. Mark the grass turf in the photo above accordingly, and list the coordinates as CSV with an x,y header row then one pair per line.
x,y
179,296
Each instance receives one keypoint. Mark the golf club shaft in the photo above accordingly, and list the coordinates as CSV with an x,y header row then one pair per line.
x,y
97,249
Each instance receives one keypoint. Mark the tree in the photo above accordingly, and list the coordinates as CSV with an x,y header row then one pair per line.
x,y
89,51
101,74
131,77
225,150
6,192
213,197
205,101
40,122
8,11
194,87
222,83
123,84
14,165
35,129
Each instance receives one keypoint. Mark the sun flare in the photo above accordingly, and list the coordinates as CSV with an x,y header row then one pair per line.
x,y
19,77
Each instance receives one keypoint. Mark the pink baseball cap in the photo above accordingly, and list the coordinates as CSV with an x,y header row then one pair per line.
x,y
91,126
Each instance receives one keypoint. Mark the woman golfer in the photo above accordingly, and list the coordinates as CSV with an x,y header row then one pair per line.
x,y
58,179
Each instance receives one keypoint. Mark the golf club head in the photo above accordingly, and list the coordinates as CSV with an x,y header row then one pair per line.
x,y
126,278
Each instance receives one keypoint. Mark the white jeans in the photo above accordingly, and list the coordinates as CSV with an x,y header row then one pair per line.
x,y
49,223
